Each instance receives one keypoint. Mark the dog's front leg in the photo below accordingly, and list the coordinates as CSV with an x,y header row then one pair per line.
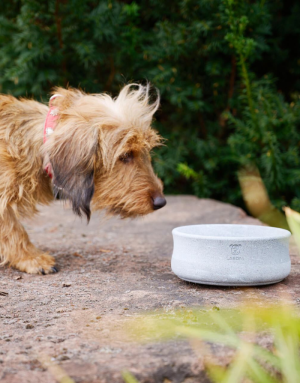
x,y
17,251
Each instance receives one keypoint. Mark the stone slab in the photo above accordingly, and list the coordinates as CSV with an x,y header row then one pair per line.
x,y
110,271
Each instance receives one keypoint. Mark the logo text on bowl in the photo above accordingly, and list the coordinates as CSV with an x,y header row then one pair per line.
x,y
235,249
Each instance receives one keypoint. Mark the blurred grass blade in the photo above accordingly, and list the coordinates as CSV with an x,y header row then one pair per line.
x,y
208,335
215,372
128,377
223,324
57,371
267,356
258,374
293,219
288,349
238,368
257,199
228,340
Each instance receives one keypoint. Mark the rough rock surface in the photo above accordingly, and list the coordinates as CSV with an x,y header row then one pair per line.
x,y
111,270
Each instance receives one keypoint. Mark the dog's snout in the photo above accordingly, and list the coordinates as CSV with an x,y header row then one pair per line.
x,y
159,202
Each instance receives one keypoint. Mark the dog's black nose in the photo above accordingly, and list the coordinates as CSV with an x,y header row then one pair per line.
x,y
159,202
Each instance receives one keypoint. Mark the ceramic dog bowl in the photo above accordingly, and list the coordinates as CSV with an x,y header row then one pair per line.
x,y
231,255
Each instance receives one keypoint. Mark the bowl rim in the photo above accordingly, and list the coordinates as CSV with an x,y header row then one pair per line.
x,y
281,233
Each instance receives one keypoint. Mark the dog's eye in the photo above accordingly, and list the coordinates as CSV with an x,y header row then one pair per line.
x,y
126,157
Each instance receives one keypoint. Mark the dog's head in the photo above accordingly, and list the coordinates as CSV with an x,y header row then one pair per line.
x,y
100,151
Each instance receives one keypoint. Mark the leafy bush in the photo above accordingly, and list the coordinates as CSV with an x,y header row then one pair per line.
x,y
228,72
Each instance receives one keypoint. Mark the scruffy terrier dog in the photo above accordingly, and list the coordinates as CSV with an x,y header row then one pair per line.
x,y
94,150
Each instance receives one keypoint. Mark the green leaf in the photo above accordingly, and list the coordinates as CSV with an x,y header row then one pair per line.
x,y
128,377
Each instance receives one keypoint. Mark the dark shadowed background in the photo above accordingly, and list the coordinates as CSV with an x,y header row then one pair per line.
x,y
228,73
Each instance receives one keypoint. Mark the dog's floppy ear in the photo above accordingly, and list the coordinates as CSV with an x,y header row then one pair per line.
x,y
72,151
73,178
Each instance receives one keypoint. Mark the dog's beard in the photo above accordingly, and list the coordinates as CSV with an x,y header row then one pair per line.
x,y
124,213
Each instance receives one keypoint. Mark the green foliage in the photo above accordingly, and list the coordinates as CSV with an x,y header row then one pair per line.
x,y
128,377
228,72
240,331
293,219
270,141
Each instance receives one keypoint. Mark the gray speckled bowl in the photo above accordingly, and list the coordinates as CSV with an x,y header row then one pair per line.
x,y
231,255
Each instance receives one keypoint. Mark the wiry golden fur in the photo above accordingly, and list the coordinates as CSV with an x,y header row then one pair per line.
x,y
99,153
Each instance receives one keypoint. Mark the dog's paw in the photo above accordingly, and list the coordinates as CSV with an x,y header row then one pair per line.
x,y
40,263
51,271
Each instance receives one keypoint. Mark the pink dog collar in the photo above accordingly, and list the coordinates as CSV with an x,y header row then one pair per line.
x,y
49,127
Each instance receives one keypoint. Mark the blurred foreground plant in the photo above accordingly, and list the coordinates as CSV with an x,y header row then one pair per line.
x,y
293,219
257,199
240,331
58,373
